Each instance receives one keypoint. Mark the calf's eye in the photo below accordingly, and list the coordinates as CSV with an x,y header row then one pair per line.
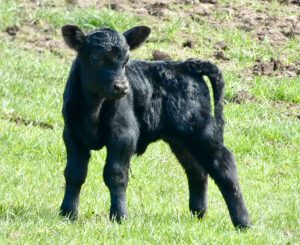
x,y
124,64
96,60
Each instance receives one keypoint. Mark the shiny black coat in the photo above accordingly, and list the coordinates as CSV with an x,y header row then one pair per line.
x,y
125,106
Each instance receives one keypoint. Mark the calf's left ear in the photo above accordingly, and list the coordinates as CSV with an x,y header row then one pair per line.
x,y
136,36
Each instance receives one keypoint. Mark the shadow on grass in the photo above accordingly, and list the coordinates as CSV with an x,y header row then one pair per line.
x,y
26,122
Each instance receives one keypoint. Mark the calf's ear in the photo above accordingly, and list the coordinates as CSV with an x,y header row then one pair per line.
x,y
136,36
73,36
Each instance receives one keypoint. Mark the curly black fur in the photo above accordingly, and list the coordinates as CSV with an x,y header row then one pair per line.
x,y
127,105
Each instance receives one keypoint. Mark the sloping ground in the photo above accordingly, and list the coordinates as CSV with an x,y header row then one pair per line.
x,y
264,42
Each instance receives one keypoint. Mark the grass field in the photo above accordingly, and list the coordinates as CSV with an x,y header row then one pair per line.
x,y
262,112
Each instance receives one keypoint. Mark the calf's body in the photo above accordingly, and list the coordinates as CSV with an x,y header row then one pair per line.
x,y
143,102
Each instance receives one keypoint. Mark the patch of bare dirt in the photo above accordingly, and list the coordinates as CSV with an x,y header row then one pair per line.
x,y
267,27
275,67
289,109
243,97
260,23
158,55
201,12
188,44
296,2
47,43
73,2
140,7
37,37
26,122
157,9
12,30
209,1
221,45
264,26
293,110
220,55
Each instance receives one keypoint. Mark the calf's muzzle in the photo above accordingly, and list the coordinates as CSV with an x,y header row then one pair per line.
x,y
121,87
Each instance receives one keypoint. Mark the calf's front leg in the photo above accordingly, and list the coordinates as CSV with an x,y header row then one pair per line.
x,y
75,175
119,152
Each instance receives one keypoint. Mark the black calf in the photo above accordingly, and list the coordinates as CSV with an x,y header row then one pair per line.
x,y
125,105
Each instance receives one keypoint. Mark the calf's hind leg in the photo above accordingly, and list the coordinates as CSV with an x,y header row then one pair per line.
x,y
197,180
221,167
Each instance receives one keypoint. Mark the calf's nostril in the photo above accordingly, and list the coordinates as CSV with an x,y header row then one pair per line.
x,y
118,86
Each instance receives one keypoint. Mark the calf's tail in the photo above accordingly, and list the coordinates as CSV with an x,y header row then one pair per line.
x,y
206,68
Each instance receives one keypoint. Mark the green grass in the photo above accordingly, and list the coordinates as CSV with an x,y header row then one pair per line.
x,y
264,139
9,13
88,18
283,89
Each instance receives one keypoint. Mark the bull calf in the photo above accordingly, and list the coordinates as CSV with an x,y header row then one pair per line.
x,y
125,104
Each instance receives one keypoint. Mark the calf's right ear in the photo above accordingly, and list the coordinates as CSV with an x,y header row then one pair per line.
x,y
73,36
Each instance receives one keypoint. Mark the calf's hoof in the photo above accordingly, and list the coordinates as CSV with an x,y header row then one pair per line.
x,y
117,216
243,224
198,213
71,214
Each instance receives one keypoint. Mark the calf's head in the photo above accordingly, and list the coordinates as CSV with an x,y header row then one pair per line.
x,y
103,55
